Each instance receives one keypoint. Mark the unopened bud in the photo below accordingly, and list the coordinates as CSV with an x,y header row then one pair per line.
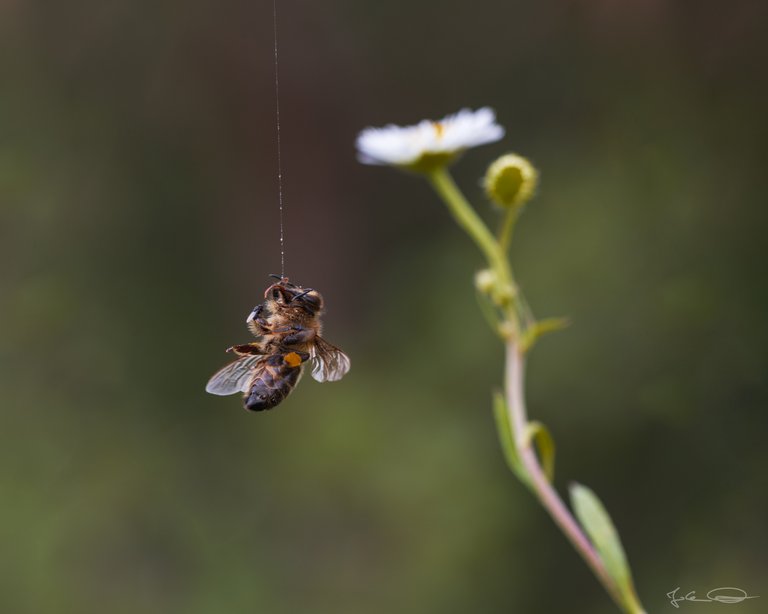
x,y
510,181
485,281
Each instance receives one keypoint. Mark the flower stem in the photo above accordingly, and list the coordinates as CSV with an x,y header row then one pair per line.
x,y
507,228
539,484
468,219
495,252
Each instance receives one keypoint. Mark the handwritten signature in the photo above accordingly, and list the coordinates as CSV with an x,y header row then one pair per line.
x,y
725,594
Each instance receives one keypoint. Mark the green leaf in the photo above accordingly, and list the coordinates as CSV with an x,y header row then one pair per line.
x,y
541,328
488,309
598,525
545,445
507,437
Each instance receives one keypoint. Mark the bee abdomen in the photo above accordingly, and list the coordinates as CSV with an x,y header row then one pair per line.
x,y
274,381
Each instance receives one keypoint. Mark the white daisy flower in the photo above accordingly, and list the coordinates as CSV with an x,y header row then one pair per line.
x,y
428,144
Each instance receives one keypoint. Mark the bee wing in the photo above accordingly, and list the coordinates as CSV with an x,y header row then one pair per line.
x,y
235,377
329,363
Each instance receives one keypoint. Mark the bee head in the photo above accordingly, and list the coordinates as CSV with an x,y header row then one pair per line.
x,y
286,294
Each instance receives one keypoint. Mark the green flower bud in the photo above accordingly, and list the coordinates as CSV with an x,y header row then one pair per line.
x,y
485,281
510,181
488,283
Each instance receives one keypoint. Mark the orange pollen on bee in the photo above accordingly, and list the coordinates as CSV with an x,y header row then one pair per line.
x,y
439,129
292,359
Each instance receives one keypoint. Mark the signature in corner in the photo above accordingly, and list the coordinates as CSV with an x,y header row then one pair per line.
x,y
725,594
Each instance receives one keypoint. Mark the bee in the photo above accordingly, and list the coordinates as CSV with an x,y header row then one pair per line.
x,y
287,328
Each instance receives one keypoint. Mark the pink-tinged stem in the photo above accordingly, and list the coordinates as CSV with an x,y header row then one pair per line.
x,y
546,494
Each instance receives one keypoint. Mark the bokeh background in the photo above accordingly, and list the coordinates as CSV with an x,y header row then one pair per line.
x,y
138,224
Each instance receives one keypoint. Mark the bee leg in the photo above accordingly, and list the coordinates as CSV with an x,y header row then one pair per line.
x,y
257,322
257,315
247,349
259,327
299,335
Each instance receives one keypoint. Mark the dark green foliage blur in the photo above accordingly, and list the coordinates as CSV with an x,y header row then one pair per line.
x,y
138,224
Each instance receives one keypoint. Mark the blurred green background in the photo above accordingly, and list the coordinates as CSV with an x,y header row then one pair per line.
x,y
138,224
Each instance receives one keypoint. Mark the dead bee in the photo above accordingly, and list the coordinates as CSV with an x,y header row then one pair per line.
x,y
287,326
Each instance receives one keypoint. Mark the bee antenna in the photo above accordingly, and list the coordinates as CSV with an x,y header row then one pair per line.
x,y
279,277
298,296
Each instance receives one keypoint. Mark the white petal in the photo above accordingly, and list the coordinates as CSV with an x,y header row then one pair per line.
x,y
401,146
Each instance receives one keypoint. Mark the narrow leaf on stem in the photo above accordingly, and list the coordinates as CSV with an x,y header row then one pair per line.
x,y
601,530
538,433
541,328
